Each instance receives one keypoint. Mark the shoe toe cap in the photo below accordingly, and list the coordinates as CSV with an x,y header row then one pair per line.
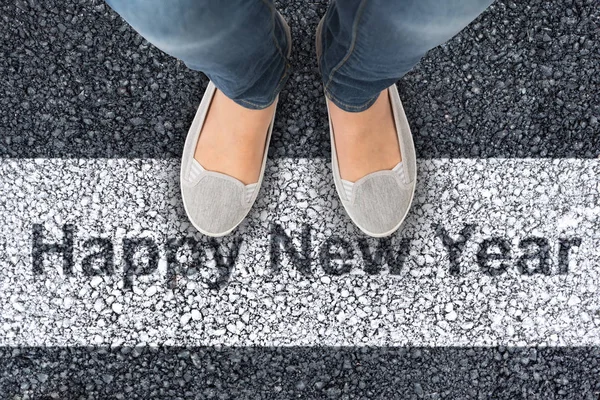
x,y
215,205
380,203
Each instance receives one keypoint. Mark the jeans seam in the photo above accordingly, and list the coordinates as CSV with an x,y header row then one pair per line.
x,y
350,106
251,103
361,8
285,60
277,89
273,16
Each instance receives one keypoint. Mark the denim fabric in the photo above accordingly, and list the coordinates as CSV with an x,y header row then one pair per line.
x,y
241,45
369,45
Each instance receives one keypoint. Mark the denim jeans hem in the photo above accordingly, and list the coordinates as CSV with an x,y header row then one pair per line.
x,y
253,105
261,106
351,107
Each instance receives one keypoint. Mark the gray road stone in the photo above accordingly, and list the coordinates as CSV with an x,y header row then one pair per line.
x,y
520,81
490,290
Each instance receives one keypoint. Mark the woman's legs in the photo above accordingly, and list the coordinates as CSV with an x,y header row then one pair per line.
x,y
241,45
369,45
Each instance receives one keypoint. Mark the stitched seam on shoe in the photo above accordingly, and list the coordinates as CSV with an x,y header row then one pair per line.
x,y
361,8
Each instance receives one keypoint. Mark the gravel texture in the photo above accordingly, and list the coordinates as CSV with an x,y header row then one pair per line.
x,y
489,290
301,372
276,299
520,81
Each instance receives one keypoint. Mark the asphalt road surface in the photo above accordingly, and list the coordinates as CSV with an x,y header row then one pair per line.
x,y
489,290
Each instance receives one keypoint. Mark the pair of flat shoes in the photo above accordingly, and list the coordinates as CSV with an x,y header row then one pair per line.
x,y
377,203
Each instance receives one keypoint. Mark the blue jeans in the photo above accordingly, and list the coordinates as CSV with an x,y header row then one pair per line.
x,y
241,45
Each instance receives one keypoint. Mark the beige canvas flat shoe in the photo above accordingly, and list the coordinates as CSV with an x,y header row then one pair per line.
x,y
378,202
216,203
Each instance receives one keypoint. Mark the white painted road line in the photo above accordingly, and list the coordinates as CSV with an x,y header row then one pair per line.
x,y
494,252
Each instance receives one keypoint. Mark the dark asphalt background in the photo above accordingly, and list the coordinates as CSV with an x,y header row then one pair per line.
x,y
520,81
174,373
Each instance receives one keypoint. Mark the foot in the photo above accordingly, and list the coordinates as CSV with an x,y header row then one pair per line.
x,y
232,140
365,141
